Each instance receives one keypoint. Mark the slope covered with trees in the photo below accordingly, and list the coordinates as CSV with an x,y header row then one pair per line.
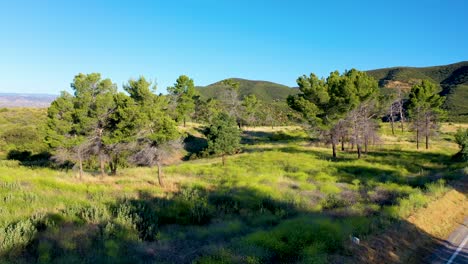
x,y
452,80
263,90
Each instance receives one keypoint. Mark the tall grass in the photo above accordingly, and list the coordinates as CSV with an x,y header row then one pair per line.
x,y
278,201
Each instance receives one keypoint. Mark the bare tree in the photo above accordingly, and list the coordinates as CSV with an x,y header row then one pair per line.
x,y
150,154
399,107
363,126
230,100
77,155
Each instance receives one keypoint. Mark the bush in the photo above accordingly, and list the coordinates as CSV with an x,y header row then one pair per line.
x,y
437,188
408,205
333,201
15,237
139,216
461,138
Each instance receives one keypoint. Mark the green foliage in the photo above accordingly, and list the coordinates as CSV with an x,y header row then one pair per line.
x,y
264,91
78,124
15,237
22,129
207,110
60,121
295,236
223,136
461,138
251,107
183,94
280,201
424,108
98,121
423,97
324,104
155,122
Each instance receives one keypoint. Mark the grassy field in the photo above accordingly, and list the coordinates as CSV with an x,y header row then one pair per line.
x,y
282,200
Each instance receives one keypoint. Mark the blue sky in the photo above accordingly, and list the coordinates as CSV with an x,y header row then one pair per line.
x,y
44,44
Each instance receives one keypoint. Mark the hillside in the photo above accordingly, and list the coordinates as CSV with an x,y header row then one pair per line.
x,y
452,78
266,91
26,100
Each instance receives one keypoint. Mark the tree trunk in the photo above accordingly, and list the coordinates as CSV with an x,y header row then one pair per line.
x,y
342,143
427,140
184,121
400,110
160,174
81,165
333,145
358,150
223,159
391,120
334,149
113,167
427,132
417,138
366,143
102,166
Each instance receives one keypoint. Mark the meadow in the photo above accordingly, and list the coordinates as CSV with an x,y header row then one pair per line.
x,y
282,199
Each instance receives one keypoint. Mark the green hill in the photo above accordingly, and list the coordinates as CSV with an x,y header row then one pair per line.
x,y
266,91
452,79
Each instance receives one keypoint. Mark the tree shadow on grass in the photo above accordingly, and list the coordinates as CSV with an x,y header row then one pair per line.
x,y
27,158
194,145
254,137
228,225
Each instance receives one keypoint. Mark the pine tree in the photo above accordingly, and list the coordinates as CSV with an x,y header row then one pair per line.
x,y
183,95
425,110
157,138
223,136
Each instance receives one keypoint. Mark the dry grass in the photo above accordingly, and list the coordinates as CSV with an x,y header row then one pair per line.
x,y
452,128
414,240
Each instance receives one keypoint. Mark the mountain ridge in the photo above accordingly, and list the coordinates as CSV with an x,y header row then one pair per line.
x,y
451,78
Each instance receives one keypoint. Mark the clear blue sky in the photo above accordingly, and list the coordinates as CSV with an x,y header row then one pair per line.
x,y
44,44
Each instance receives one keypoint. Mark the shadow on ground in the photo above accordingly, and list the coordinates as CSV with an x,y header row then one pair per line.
x,y
220,225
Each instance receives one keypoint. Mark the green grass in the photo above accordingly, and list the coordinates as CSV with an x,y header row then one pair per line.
x,y
280,200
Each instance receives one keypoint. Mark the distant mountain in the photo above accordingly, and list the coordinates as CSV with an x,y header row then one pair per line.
x,y
452,79
266,91
26,100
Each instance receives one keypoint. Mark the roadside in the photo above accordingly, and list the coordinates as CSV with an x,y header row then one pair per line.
x,y
422,235
454,249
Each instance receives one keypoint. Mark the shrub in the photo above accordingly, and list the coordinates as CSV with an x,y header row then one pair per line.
x,y
315,254
461,138
333,201
437,188
329,188
224,203
407,206
15,237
